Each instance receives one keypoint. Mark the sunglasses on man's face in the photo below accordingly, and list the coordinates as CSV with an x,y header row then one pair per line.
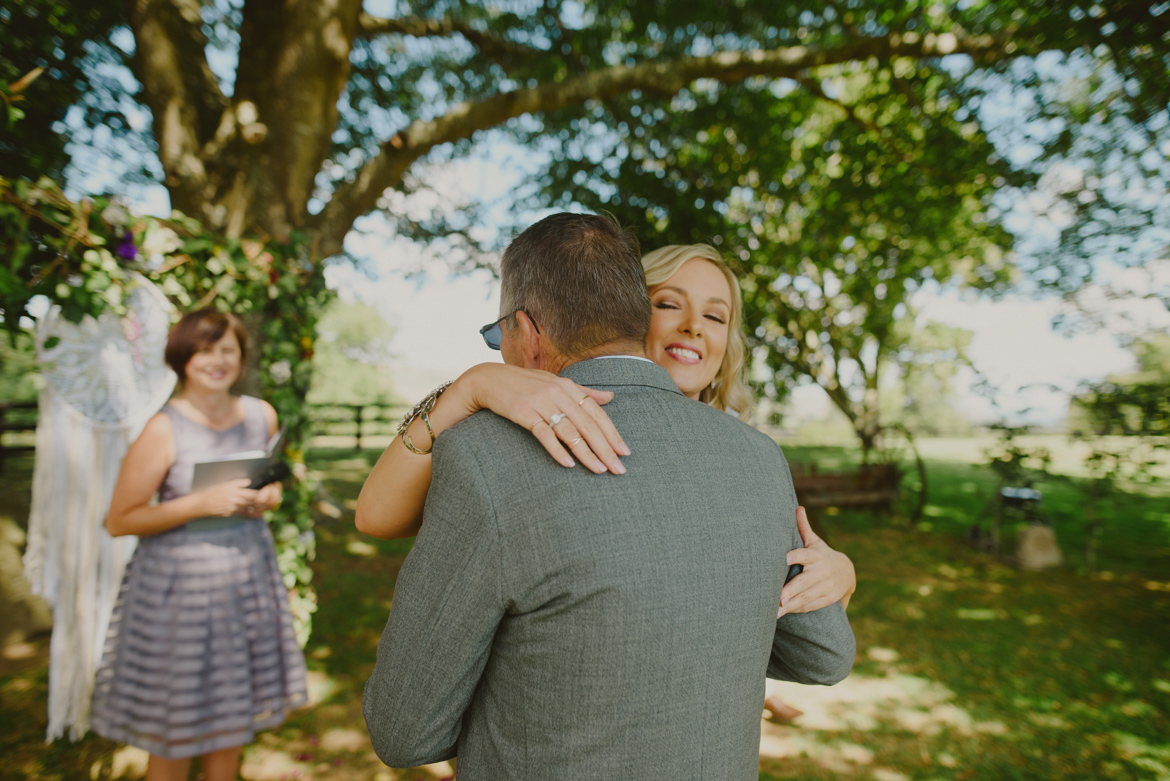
x,y
493,333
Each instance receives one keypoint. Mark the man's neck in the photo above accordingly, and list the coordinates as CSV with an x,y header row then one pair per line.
x,y
557,364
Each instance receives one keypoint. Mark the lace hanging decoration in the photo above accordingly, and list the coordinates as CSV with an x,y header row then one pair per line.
x,y
104,378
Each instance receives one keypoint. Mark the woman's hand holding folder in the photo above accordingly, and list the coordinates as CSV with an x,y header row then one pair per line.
x,y
234,497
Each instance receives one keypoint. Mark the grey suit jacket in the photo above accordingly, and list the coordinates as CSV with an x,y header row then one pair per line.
x,y
551,623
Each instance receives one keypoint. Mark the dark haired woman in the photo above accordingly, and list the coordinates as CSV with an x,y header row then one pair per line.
x,y
201,652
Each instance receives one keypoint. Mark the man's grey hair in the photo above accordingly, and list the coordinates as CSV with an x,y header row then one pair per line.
x,y
580,278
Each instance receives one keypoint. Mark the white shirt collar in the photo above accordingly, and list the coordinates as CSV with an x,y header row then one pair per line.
x,y
630,357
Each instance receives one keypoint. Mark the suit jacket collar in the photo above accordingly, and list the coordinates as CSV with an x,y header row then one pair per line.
x,y
620,371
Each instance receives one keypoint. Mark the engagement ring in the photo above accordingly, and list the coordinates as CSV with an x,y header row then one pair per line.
x,y
557,418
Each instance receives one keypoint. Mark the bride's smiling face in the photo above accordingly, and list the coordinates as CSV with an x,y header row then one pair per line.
x,y
689,325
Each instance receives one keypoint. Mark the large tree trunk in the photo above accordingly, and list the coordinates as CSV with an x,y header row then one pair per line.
x,y
294,62
245,164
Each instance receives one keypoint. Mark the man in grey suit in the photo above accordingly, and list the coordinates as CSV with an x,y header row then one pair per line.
x,y
553,623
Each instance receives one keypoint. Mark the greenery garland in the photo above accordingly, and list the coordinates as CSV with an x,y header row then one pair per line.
x,y
83,255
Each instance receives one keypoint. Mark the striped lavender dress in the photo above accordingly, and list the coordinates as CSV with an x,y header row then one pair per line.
x,y
201,652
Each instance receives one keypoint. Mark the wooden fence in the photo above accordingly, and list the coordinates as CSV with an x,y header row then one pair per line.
x,y
355,420
344,420
16,416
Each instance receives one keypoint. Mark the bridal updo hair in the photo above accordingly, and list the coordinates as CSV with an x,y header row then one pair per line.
x,y
197,331
729,391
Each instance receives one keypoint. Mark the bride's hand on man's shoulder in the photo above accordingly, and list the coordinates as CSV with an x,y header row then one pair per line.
x,y
566,418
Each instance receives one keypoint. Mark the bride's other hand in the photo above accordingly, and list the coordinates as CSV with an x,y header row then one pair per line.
x,y
563,416
828,575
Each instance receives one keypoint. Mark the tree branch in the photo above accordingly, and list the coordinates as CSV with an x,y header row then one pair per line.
x,y
494,46
565,39
663,78
851,112
180,89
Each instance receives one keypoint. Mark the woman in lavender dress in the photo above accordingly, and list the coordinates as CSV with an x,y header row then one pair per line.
x,y
201,652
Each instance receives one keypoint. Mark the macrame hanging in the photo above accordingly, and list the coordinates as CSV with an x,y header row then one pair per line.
x,y
104,378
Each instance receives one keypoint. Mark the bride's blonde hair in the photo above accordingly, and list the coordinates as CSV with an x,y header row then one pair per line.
x,y
729,391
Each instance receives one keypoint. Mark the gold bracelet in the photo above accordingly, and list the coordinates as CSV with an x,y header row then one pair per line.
x,y
421,410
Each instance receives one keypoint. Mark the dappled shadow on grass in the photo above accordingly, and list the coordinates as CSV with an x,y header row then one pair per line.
x,y
892,707
24,680
953,647
23,720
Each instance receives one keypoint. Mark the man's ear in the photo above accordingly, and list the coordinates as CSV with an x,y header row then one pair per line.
x,y
532,347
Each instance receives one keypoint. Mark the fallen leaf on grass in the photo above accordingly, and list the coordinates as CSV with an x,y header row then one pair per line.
x,y
1118,682
1138,708
18,651
1047,720
359,548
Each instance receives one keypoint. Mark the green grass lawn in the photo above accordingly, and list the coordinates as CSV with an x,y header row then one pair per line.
x,y
966,668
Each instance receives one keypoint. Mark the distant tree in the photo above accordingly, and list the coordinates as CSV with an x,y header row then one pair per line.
x,y
1129,405
1125,421
351,357
923,398
1153,358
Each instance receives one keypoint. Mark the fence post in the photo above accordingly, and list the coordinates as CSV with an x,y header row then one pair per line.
x,y
357,418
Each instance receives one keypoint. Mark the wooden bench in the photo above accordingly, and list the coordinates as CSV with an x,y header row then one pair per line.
x,y
871,485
